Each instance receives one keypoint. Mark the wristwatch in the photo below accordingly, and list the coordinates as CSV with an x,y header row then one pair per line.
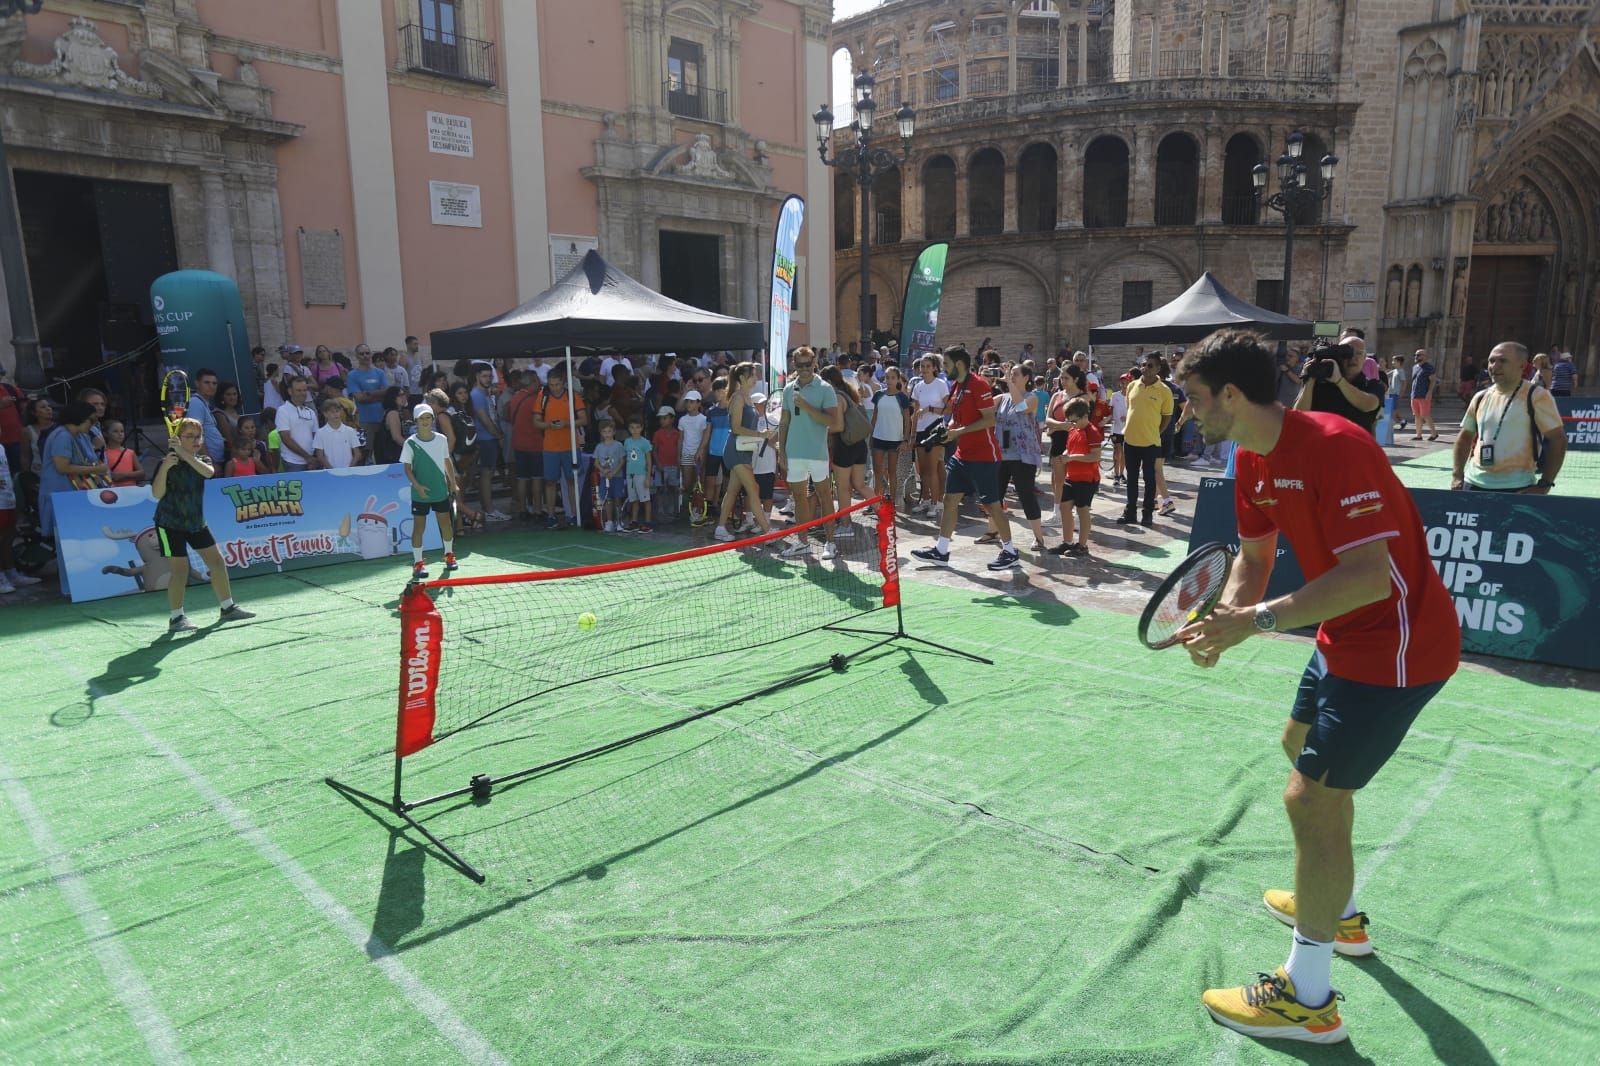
x,y
1266,621
1546,483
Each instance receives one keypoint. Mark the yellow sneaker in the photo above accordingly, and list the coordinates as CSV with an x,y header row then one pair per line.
x,y
1268,1010
1351,939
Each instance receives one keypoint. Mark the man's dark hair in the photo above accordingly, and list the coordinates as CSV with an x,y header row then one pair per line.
x,y
1077,407
76,412
958,354
203,371
1233,357
411,338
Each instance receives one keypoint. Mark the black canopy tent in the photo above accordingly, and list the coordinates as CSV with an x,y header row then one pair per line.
x,y
1205,307
597,307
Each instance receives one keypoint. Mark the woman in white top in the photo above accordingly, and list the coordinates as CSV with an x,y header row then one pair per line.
x,y
932,400
1119,425
891,430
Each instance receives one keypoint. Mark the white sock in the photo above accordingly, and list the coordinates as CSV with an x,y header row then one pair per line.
x,y
1007,546
176,615
942,544
225,604
1309,964
416,556
450,547
1350,908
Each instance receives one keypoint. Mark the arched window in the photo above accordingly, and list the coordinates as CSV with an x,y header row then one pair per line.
x,y
1105,183
886,207
1310,213
986,193
1239,158
844,209
1177,180
1036,189
939,198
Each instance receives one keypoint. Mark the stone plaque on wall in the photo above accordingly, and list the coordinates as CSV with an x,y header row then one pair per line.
x,y
453,203
567,251
322,267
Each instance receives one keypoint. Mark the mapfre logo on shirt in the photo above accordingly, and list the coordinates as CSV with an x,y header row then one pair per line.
x,y
1289,483
1362,503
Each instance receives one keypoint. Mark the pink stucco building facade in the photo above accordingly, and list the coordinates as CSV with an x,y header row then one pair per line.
x,y
369,169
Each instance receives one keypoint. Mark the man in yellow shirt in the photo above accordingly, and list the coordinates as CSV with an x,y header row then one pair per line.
x,y
1149,414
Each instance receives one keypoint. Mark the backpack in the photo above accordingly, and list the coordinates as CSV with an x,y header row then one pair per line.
x,y
1539,445
857,426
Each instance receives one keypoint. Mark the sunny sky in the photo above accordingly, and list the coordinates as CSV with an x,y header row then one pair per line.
x,y
842,74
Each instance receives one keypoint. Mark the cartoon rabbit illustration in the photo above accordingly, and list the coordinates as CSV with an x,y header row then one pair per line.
x,y
375,537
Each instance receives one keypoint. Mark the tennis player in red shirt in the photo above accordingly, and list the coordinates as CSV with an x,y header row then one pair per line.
x,y
1387,641
974,463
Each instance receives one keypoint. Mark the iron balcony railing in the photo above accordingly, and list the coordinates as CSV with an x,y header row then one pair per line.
x,y
448,55
695,101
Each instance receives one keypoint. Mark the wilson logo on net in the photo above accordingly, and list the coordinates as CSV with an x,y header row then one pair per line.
x,y
420,665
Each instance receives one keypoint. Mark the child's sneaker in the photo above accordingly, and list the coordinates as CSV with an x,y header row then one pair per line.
x,y
419,572
20,580
235,613
611,527
450,566
721,533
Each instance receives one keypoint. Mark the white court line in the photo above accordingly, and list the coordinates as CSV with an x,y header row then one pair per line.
x,y
126,980
442,1016
1413,816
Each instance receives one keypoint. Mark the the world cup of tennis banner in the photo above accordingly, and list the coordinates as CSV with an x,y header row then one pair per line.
x,y
1521,569
1581,416
781,306
919,315
106,539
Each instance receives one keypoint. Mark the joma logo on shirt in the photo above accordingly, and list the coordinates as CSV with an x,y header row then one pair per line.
x,y
1288,483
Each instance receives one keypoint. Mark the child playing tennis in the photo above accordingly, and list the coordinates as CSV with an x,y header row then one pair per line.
x,y
426,457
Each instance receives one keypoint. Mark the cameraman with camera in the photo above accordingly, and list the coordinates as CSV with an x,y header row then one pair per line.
x,y
1334,383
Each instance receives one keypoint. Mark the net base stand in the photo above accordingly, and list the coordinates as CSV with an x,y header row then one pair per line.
x,y
402,810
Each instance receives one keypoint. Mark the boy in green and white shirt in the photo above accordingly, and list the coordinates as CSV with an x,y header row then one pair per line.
x,y
426,457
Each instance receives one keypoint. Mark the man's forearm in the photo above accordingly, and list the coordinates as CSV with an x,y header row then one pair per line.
x,y
1360,399
1458,454
1247,583
1555,453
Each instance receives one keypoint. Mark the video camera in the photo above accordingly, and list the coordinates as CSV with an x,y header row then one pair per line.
x,y
1327,360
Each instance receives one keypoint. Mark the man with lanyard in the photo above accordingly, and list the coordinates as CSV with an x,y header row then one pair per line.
x,y
1497,448
974,465
1388,640
811,410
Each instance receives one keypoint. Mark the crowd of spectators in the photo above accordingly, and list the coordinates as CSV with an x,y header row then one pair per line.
x,y
696,438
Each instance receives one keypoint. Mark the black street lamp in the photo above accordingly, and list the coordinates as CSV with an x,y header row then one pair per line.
x,y
1293,195
13,266
868,163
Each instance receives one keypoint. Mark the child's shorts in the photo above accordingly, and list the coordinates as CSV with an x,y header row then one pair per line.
x,y
638,488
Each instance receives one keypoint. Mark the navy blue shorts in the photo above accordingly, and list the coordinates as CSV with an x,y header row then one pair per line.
x,y
530,465
614,488
1355,727
972,479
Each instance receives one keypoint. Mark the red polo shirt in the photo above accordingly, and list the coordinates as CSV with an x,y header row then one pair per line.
x,y
968,400
1327,486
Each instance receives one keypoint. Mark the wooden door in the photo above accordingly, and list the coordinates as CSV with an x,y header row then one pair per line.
x,y
1504,303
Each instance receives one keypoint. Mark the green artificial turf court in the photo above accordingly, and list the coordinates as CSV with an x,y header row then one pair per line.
x,y
1580,472
918,860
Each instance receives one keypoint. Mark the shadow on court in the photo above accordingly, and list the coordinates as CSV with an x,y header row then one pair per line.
x,y
136,667
402,893
1450,1038
580,834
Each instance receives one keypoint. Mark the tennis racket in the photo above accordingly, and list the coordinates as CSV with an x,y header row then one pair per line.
x,y
697,504
1187,595
933,436
597,504
174,399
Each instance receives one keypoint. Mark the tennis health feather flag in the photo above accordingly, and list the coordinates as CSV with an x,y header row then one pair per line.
x,y
781,305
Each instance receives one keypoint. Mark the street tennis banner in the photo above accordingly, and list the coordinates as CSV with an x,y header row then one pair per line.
x,y
919,314
781,306
106,540
1581,416
1524,570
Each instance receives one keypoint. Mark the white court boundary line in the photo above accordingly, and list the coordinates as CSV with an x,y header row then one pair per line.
x,y
439,1013
126,980
1414,816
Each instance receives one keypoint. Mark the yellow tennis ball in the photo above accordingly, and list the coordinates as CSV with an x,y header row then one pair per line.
x,y
587,620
